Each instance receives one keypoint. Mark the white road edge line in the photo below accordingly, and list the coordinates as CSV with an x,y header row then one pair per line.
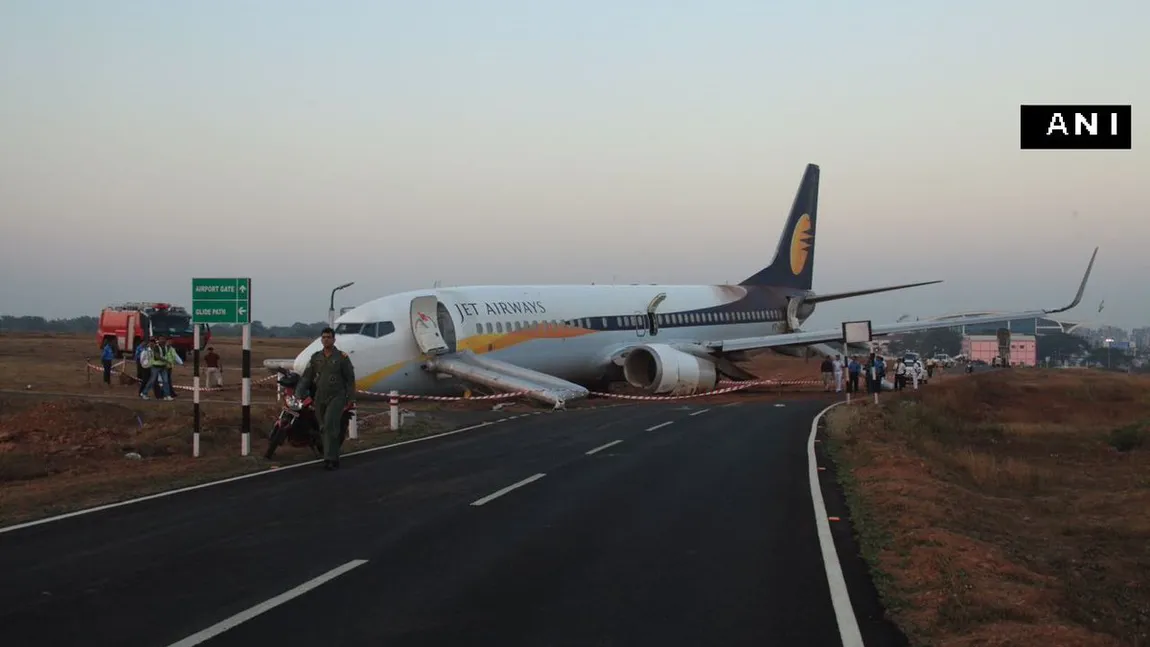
x,y
698,412
268,605
241,477
499,493
840,596
602,447
660,425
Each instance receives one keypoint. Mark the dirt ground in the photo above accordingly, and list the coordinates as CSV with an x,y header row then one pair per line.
x,y
1006,508
68,441
58,364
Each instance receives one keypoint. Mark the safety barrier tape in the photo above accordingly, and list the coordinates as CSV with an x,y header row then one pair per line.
x,y
182,387
738,386
735,387
446,398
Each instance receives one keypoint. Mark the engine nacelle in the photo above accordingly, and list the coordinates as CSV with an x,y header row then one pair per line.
x,y
659,368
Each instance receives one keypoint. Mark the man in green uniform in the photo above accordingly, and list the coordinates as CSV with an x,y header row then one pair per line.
x,y
334,378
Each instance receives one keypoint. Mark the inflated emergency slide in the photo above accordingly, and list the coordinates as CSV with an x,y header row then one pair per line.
x,y
502,376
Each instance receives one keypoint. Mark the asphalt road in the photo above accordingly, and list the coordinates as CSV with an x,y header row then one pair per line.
x,y
695,527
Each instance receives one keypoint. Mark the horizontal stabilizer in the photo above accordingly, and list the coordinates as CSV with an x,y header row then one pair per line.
x,y
834,296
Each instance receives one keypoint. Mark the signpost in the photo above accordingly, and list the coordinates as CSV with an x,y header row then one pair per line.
x,y
227,301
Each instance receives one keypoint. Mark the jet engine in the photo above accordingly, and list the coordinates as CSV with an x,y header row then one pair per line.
x,y
659,368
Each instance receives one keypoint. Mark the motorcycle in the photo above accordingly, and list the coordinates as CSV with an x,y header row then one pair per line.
x,y
297,422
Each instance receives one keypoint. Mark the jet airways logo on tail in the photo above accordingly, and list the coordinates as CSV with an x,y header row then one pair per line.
x,y
801,241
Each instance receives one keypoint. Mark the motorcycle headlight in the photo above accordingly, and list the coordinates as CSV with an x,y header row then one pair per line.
x,y
293,403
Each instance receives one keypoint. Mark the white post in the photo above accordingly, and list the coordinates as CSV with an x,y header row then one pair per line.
x,y
393,401
246,396
195,389
846,374
352,426
875,381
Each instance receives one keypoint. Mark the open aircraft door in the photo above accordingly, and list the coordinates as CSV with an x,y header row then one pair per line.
x,y
652,317
793,314
424,314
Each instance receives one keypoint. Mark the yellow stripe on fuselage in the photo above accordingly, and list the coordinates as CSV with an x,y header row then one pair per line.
x,y
486,343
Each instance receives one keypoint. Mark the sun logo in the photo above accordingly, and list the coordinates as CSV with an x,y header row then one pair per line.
x,y
801,241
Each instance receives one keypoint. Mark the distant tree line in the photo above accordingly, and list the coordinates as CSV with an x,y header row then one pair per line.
x,y
297,329
88,325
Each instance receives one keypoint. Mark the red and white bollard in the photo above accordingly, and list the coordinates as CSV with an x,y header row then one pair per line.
x,y
393,401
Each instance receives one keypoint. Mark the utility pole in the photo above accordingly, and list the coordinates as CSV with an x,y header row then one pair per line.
x,y
331,303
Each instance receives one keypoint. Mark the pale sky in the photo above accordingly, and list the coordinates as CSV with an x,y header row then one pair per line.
x,y
305,144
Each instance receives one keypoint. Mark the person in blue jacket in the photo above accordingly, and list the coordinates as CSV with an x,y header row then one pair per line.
x,y
107,356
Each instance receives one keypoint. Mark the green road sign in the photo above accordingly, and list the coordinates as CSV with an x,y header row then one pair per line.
x,y
222,301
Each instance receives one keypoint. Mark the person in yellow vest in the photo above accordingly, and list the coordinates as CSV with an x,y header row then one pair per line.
x,y
163,359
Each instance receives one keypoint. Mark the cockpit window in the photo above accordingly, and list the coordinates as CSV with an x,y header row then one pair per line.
x,y
349,329
370,329
379,329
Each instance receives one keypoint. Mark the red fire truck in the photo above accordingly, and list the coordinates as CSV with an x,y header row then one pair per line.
x,y
127,324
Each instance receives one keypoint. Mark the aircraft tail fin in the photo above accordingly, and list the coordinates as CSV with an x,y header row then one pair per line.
x,y
793,265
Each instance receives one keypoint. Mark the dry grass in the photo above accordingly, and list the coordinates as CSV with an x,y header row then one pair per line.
x,y
995,509
68,453
57,363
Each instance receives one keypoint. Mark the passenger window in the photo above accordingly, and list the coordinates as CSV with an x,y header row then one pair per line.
x,y
489,328
479,329
499,326
518,325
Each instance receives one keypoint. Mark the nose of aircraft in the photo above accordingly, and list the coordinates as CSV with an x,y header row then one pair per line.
x,y
301,359
346,343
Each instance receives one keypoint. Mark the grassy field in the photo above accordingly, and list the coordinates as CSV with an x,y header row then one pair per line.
x,y
62,454
58,363
1009,508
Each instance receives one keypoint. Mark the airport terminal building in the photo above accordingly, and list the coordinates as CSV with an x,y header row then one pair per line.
x,y
980,341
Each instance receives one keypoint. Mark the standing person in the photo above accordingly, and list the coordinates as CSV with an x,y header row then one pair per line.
x,y
827,368
106,356
870,368
838,370
334,377
215,371
853,369
900,376
144,365
161,368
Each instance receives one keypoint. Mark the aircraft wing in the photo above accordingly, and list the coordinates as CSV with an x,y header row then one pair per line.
x,y
836,334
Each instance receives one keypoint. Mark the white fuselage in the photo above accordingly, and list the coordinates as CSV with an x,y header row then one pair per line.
x,y
569,331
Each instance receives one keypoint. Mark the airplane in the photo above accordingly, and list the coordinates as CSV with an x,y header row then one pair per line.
x,y
559,342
